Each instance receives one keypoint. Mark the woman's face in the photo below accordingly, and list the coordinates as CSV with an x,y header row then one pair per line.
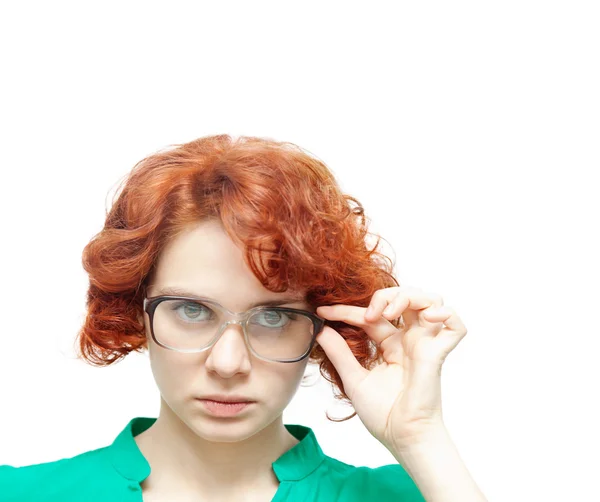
x,y
205,261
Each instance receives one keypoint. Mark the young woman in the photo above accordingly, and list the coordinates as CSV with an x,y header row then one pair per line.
x,y
235,262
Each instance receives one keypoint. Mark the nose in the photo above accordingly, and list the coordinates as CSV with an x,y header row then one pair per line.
x,y
229,355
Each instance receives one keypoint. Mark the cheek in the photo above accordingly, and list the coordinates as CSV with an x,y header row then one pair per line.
x,y
172,371
173,374
282,384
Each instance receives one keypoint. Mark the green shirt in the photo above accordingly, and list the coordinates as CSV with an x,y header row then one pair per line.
x,y
114,473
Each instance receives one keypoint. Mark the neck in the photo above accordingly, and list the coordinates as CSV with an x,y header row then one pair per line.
x,y
180,457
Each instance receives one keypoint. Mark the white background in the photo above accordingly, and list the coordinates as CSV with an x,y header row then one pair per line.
x,y
469,130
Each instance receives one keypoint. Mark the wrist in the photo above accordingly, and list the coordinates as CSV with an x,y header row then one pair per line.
x,y
422,438
436,467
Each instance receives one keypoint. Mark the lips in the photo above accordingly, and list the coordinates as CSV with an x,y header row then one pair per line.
x,y
227,399
224,409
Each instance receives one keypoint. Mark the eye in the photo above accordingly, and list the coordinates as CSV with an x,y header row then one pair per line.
x,y
274,318
188,310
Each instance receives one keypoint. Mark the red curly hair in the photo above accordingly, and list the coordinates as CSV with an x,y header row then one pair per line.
x,y
280,204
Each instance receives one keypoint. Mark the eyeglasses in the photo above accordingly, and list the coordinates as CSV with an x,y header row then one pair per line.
x,y
192,325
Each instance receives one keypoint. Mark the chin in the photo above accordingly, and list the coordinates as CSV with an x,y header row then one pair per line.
x,y
221,430
226,429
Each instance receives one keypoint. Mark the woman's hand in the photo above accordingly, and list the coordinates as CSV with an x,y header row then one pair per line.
x,y
398,401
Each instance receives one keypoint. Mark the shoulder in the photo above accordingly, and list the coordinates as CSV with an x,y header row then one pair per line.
x,y
388,482
64,479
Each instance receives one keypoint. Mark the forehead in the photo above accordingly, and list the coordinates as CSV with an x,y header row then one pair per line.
x,y
204,260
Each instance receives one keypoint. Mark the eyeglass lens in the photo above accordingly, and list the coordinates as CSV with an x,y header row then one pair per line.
x,y
272,333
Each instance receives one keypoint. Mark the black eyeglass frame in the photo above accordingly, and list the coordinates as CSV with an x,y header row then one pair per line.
x,y
151,303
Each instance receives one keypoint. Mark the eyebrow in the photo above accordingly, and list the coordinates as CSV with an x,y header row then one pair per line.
x,y
176,291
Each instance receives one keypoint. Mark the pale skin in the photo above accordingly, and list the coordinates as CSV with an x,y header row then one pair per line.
x,y
399,401
194,456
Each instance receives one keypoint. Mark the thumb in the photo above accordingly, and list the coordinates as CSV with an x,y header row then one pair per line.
x,y
342,358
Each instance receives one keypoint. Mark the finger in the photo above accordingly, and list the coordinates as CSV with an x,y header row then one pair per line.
x,y
380,300
405,301
377,330
450,336
342,358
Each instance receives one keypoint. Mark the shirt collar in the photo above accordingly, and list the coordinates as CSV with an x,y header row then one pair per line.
x,y
294,465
